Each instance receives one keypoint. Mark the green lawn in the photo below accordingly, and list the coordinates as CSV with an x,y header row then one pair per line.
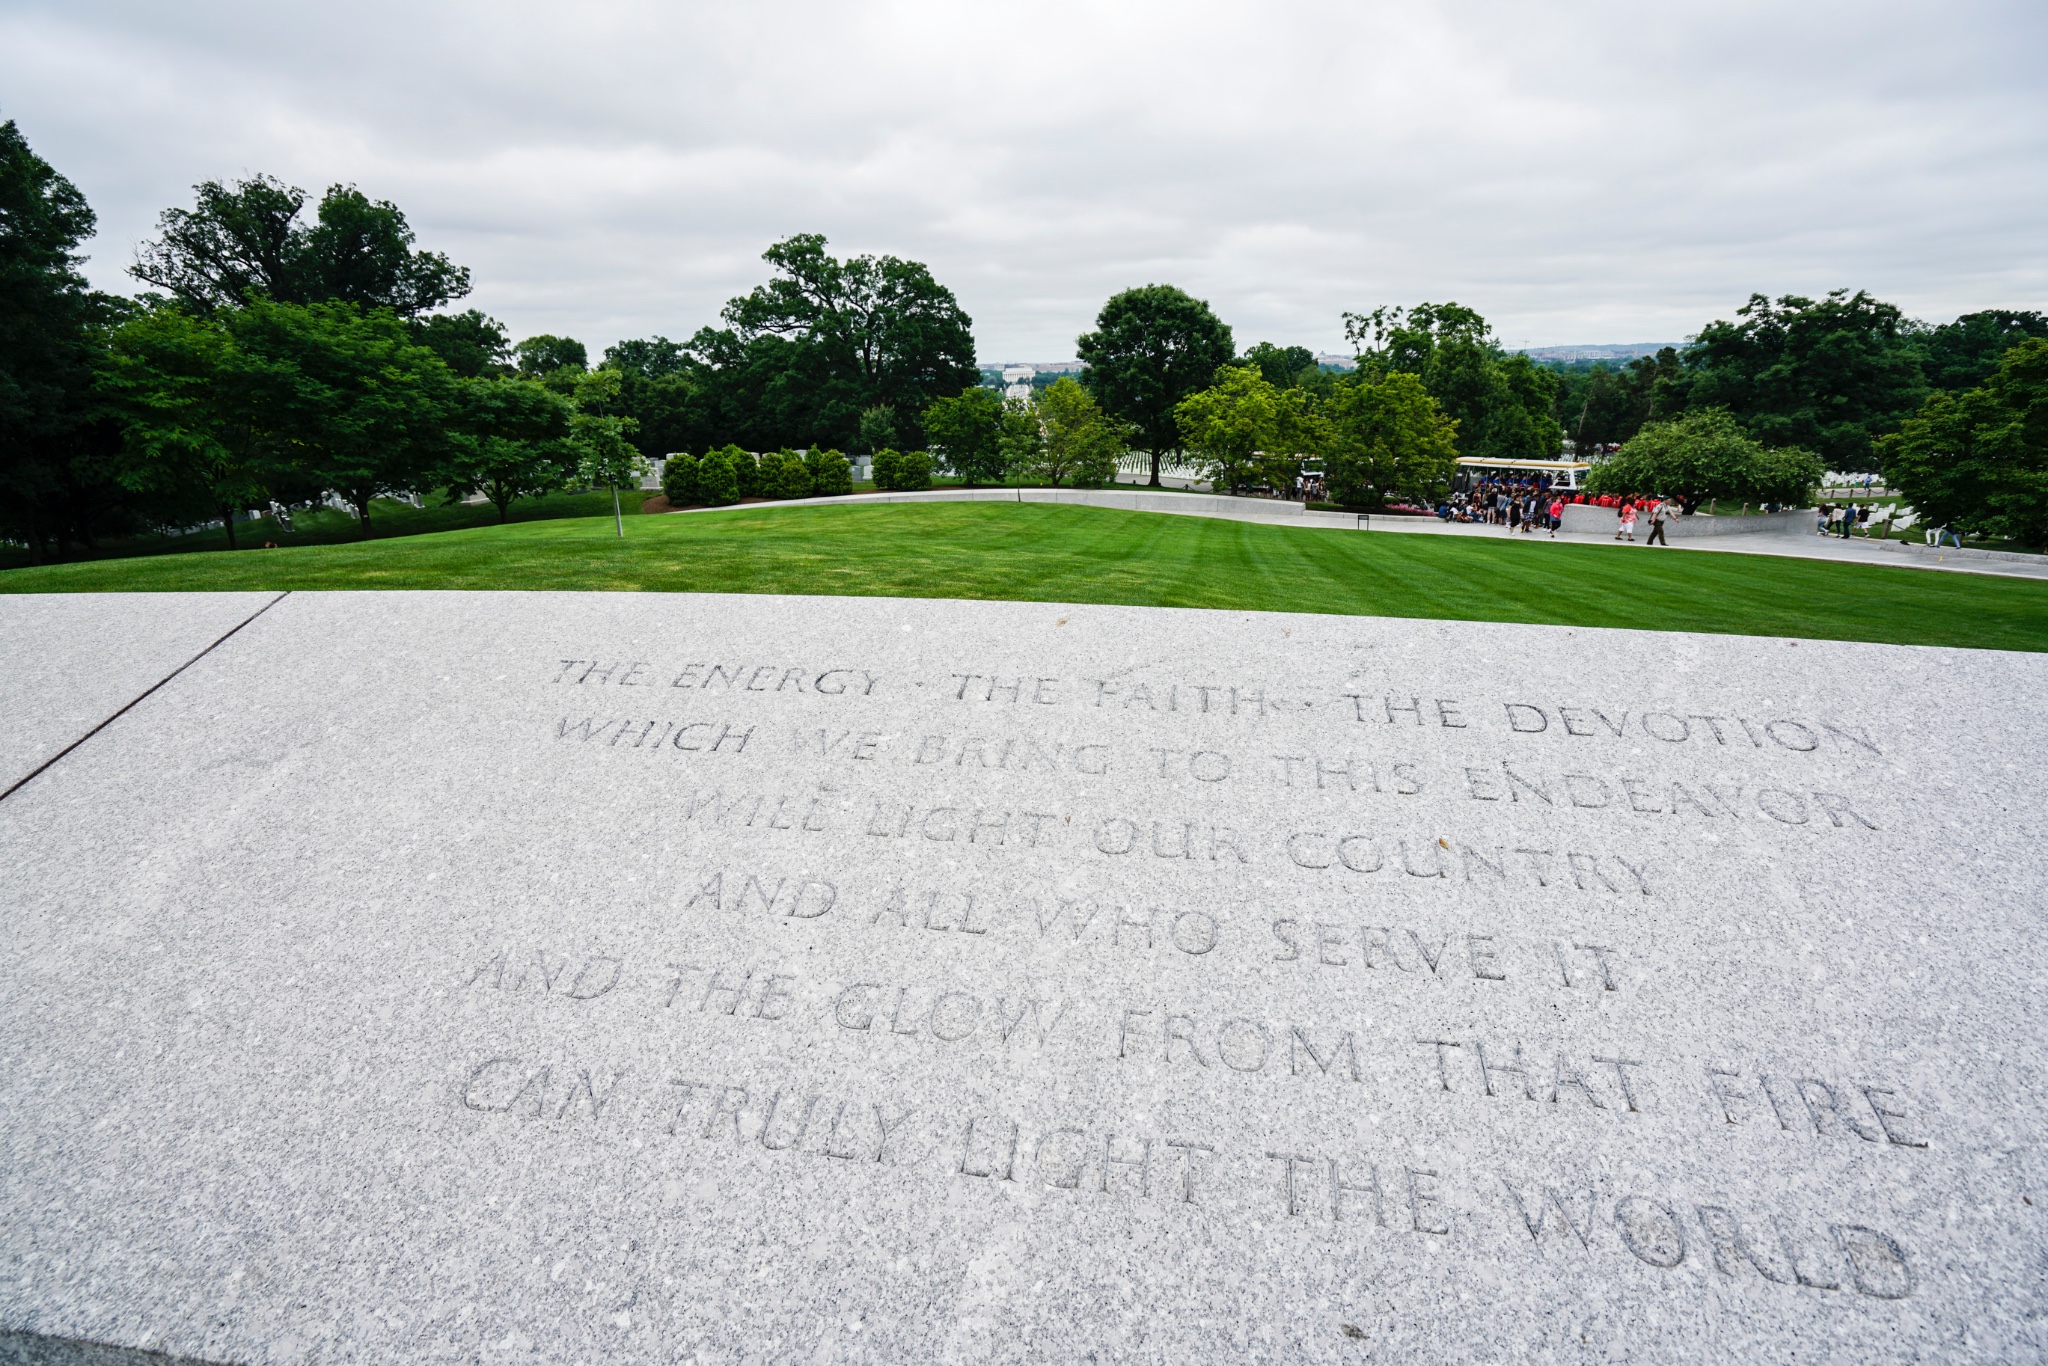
x,y
1043,552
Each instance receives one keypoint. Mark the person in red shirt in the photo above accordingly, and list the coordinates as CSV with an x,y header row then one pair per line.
x,y
1556,516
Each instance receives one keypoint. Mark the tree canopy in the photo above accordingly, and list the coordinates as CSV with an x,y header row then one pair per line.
x,y
1505,406
55,444
1386,440
1965,353
251,239
1831,375
1152,348
1246,433
804,355
1705,453
1978,460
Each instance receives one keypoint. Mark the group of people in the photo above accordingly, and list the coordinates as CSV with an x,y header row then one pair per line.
x,y
1523,505
1845,519
1531,505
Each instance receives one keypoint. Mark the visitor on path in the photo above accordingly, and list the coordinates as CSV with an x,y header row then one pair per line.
x,y
1848,520
1658,516
1821,527
1628,521
1556,516
1937,534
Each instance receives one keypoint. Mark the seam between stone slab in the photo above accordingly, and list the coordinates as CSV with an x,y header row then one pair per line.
x,y
38,771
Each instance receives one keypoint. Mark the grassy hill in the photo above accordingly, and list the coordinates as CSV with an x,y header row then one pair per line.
x,y
1044,552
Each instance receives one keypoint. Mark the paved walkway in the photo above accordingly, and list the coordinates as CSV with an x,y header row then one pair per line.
x,y
1804,546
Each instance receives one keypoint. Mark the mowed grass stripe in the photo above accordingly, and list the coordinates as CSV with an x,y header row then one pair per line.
x,y
1051,553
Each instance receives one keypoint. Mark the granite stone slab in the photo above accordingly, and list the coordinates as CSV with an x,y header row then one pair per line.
x,y
77,658
579,977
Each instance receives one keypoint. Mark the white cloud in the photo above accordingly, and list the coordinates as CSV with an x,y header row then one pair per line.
x,y
1583,172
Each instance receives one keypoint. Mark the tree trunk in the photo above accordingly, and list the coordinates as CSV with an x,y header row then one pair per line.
x,y
227,521
363,514
1155,470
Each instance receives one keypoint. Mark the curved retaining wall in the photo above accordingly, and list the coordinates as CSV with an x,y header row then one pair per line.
x,y
1130,500
1582,517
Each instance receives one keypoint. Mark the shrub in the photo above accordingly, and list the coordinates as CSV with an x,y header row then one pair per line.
x,y
679,480
717,482
830,474
914,471
888,469
745,471
784,475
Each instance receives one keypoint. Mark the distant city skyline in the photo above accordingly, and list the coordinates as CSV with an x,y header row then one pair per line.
x,y
613,170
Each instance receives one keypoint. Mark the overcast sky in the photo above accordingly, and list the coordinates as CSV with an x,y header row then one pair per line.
x,y
1581,172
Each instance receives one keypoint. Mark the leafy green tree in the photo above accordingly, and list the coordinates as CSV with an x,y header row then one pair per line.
x,y
545,355
649,357
1978,460
249,239
848,335
1965,353
1244,433
510,440
601,436
1505,406
831,475
1706,453
469,343
1153,347
1387,440
174,380
877,429
359,408
56,448
1023,439
1829,375
1081,442
1283,367
967,431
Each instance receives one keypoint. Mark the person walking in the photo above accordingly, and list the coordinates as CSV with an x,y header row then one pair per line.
x,y
1556,516
1628,520
1658,515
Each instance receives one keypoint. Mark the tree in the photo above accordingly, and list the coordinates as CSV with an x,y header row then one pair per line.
x,y
600,435
1505,406
1830,375
1081,442
249,239
1705,453
510,441
189,432
649,358
1152,347
1387,439
1978,460
469,343
1965,353
1281,367
347,397
876,329
967,431
54,446
877,429
1245,433
539,357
